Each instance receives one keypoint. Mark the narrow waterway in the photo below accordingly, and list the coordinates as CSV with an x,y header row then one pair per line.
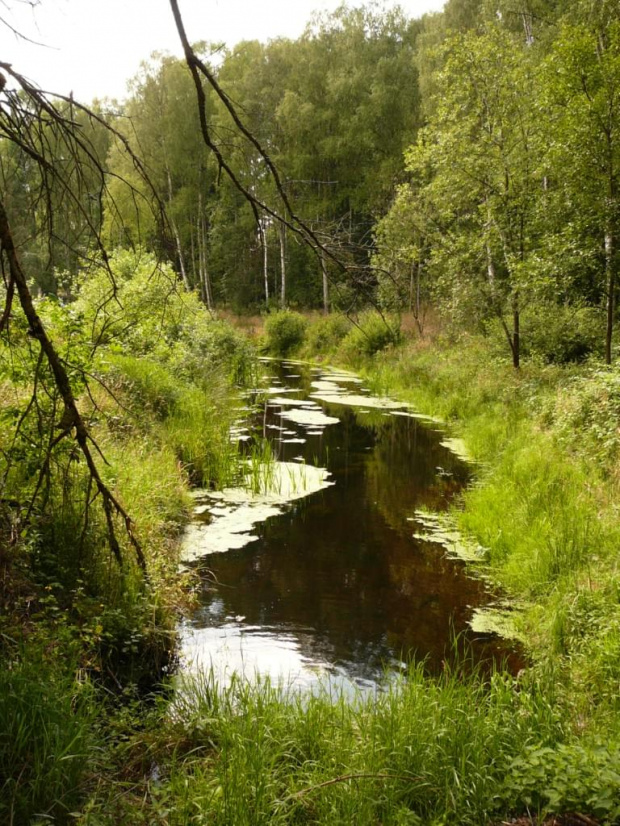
x,y
316,568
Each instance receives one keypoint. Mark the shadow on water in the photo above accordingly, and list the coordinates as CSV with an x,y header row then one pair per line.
x,y
335,583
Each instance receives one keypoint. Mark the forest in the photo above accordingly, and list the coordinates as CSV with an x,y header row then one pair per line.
x,y
431,203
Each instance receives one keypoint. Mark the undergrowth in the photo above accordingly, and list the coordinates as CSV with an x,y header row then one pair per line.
x,y
462,748
80,625
543,503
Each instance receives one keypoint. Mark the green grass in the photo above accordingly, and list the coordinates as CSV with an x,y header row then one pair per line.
x,y
463,748
192,419
459,749
48,735
543,500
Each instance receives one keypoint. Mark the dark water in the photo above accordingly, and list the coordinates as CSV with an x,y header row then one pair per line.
x,y
337,584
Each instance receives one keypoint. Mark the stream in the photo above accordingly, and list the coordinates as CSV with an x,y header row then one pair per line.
x,y
318,569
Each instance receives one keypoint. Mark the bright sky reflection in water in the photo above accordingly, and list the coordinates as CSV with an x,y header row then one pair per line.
x,y
334,585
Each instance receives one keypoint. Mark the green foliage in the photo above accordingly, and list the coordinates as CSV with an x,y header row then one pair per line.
x,y
494,217
143,308
572,777
208,348
540,508
253,753
195,420
285,331
560,334
48,738
551,532
372,333
584,414
336,137
326,333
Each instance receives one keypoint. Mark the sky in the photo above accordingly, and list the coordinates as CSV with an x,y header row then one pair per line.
x,y
92,47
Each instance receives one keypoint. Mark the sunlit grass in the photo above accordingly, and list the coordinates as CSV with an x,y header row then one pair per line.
x,y
542,508
445,750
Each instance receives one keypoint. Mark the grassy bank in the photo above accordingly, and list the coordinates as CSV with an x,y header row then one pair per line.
x,y
463,748
543,508
443,751
85,637
544,503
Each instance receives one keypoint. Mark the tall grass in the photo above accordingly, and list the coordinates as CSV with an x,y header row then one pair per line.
x,y
259,467
541,505
194,419
424,751
48,737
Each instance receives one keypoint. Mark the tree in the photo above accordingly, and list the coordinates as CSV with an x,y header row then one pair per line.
x,y
475,181
583,82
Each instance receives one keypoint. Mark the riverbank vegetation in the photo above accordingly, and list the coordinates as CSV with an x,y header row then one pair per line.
x,y
80,627
460,169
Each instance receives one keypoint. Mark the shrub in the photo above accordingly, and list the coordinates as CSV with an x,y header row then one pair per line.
x,y
568,777
561,334
325,334
149,314
372,334
585,415
285,331
206,346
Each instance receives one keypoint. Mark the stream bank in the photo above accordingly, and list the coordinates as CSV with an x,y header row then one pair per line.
x,y
323,565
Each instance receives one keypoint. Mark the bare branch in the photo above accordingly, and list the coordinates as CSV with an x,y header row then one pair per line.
x,y
72,418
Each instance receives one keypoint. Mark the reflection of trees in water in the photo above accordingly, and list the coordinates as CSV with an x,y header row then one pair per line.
x,y
409,469
340,570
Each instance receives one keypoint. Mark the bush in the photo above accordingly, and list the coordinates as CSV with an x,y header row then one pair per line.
x,y
568,777
207,346
585,415
561,334
325,334
372,334
286,331
149,314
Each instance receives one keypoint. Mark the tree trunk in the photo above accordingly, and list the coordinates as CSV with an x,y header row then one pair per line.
x,y
203,269
516,336
206,280
528,28
263,234
282,231
490,270
611,290
177,238
414,287
192,253
418,307
325,283
177,241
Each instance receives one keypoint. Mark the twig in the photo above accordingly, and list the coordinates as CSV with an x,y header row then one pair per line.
x,y
72,415
345,777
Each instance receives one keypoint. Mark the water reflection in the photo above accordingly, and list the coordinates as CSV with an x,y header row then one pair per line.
x,y
336,584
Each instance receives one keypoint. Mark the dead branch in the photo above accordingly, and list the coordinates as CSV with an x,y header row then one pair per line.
x,y
72,419
346,777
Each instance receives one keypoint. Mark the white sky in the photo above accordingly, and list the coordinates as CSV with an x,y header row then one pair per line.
x,y
95,46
